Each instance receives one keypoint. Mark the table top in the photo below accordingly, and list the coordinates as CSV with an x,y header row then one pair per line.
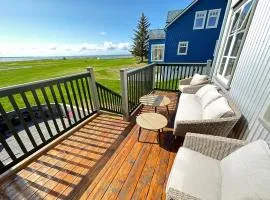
x,y
155,100
151,121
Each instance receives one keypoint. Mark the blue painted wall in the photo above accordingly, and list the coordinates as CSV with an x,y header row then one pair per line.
x,y
201,42
150,42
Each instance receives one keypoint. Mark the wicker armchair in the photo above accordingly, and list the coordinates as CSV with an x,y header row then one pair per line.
x,y
185,87
213,146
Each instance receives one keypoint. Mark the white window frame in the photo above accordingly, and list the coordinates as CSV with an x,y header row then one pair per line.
x,y
179,44
154,45
217,18
196,17
221,77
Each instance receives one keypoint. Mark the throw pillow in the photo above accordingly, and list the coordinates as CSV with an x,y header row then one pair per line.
x,y
246,173
217,109
198,79
201,92
209,97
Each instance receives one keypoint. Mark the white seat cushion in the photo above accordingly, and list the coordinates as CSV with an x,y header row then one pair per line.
x,y
201,92
246,173
217,109
189,108
198,79
195,174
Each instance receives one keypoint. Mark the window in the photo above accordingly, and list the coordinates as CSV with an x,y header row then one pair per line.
x,y
182,48
199,21
157,52
213,17
234,41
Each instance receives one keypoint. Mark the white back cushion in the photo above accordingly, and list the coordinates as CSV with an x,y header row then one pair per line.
x,y
198,79
246,173
211,95
217,109
201,92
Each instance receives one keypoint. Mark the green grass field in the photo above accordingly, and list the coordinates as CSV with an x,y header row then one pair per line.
x,y
106,71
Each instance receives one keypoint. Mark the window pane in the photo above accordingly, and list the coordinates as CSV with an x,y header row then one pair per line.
x,y
237,43
212,21
199,22
228,45
229,69
236,17
222,66
157,53
182,50
244,14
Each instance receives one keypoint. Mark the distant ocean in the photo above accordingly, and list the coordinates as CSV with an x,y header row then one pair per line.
x,y
13,59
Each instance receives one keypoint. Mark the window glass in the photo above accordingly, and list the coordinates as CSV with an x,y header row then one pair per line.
x,y
235,20
228,46
157,52
229,69
199,22
237,43
222,66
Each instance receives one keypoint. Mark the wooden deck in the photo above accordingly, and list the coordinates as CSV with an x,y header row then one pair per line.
x,y
102,160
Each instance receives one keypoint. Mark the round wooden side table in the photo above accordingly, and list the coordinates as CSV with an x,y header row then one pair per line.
x,y
151,121
155,101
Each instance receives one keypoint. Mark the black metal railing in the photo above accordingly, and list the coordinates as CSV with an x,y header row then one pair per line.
x,y
167,75
139,82
108,99
32,115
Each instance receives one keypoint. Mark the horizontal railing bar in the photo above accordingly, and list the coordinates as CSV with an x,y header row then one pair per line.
x,y
132,71
38,84
187,64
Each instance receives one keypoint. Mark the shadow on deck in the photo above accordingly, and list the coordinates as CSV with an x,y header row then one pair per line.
x,y
101,160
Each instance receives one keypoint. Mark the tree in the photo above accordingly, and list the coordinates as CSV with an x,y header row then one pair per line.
x,y
141,35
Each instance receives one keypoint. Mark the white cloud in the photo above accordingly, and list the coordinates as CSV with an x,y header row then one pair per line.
x,y
102,33
107,47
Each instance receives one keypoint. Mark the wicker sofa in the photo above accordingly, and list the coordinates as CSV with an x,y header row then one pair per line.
x,y
187,121
203,169
185,87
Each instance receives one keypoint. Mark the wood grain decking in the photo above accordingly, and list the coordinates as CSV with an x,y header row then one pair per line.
x,y
102,160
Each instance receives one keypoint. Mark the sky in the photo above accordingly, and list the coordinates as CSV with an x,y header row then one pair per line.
x,y
76,27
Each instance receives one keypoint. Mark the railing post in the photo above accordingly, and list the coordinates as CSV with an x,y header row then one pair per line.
x,y
124,92
93,88
208,67
154,76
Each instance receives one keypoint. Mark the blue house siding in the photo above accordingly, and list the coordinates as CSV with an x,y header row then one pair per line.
x,y
201,42
155,41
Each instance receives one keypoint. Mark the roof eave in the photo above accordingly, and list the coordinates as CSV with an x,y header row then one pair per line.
x,y
185,10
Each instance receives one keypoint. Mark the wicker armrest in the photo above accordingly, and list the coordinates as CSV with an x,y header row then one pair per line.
x,y
185,81
214,146
191,89
174,194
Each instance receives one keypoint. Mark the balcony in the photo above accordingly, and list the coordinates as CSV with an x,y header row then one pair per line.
x,y
72,138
